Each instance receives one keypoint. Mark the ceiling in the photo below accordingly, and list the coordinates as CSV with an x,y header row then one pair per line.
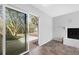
x,y
57,9
53,10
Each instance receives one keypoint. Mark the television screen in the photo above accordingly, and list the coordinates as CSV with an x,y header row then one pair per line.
x,y
73,33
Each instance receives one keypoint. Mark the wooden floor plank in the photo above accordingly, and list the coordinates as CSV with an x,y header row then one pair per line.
x,y
54,48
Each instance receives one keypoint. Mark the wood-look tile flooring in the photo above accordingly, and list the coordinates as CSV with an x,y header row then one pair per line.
x,y
54,48
33,44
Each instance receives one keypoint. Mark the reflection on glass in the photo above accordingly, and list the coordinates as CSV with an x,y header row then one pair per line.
x,y
33,24
15,32
33,31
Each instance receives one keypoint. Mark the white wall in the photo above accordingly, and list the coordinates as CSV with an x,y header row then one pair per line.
x,y
45,29
45,22
62,22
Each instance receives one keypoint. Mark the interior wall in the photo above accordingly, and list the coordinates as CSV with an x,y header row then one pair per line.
x,y
45,22
60,23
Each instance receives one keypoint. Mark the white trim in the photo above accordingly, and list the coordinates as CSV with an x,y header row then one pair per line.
x,y
66,32
4,32
45,42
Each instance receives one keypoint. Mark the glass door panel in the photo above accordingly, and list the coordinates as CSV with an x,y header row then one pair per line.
x,y
16,31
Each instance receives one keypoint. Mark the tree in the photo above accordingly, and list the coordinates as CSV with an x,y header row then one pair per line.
x,y
35,20
15,22
33,24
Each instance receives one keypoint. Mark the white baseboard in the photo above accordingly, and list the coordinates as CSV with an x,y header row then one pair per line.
x,y
45,42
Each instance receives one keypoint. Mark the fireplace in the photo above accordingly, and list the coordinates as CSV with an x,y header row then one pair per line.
x,y
73,33
72,37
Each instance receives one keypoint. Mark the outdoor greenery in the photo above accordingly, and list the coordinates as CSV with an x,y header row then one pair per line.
x,y
33,24
15,23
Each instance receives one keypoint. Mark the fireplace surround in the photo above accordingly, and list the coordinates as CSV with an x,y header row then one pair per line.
x,y
72,37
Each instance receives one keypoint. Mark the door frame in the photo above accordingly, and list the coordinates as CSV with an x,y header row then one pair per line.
x,y
4,17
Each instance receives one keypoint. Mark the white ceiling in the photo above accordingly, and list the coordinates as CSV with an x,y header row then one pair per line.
x,y
57,9
53,10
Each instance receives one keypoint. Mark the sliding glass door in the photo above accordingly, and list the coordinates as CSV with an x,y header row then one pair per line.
x,y
16,32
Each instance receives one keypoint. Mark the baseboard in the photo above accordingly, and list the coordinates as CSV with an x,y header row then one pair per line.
x,y
45,42
60,39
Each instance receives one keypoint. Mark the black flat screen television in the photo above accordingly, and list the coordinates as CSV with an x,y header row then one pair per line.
x,y
73,33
